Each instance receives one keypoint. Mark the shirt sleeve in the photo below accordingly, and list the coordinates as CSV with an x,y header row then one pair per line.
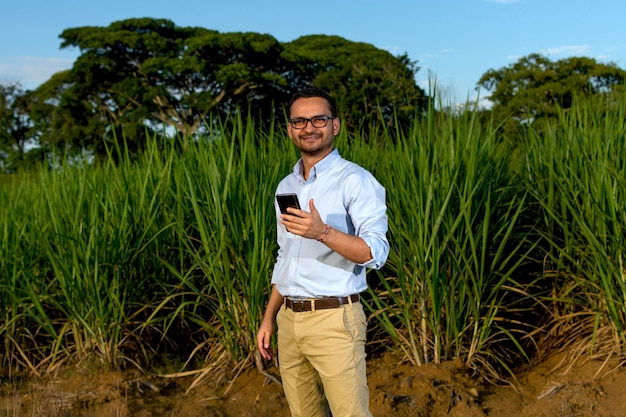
x,y
368,210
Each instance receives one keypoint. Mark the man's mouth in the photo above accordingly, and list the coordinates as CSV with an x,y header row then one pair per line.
x,y
309,138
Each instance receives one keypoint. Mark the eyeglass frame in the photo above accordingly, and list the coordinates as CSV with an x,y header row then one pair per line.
x,y
307,120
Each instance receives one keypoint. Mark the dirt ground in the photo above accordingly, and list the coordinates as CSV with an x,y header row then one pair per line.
x,y
556,387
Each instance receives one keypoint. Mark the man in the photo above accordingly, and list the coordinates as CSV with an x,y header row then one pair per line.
x,y
320,268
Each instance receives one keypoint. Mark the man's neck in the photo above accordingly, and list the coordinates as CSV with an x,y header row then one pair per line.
x,y
309,161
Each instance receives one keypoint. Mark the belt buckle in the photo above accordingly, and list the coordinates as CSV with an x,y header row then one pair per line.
x,y
297,306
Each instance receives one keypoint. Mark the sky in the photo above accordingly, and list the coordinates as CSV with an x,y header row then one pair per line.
x,y
453,41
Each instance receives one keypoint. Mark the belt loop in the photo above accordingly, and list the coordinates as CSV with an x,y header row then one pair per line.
x,y
350,300
313,305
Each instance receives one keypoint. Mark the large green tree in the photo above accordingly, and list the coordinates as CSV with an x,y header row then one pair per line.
x,y
368,83
138,76
142,74
66,118
535,88
15,129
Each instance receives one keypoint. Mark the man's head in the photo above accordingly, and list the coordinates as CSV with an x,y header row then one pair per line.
x,y
313,92
313,123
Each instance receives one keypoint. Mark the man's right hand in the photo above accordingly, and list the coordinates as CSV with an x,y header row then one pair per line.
x,y
263,340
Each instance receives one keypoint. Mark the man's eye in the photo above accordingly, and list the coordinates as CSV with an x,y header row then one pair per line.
x,y
318,119
298,122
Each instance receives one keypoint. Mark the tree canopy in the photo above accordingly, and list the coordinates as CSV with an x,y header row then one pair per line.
x,y
138,76
15,127
367,82
535,88
141,74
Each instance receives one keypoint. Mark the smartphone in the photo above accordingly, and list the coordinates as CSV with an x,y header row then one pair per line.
x,y
287,200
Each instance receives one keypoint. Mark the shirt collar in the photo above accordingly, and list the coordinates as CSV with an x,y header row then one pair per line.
x,y
324,165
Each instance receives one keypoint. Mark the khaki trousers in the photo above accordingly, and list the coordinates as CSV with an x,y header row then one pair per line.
x,y
322,361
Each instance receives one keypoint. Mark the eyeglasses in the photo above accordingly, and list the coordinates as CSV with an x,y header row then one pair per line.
x,y
316,121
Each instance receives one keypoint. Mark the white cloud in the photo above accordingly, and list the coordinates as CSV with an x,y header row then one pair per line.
x,y
610,53
429,56
394,50
615,48
568,50
30,71
603,57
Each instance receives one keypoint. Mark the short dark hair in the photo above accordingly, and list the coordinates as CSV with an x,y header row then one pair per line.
x,y
311,92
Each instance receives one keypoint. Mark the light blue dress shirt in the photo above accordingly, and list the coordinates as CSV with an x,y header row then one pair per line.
x,y
350,200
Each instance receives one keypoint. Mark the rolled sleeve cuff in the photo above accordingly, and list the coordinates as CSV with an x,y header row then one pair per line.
x,y
379,250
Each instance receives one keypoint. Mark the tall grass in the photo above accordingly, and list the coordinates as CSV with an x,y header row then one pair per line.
x,y
456,244
123,261
171,253
577,172
226,226
82,259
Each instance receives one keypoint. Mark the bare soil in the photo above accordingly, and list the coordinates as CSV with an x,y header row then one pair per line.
x,y
556,387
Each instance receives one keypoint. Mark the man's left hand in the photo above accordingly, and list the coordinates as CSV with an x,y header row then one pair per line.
x,y
303,223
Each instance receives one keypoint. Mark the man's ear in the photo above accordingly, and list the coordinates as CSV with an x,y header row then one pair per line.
x,y
336,126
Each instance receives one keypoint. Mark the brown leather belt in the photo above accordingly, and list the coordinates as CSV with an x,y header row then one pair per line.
x,y
325,303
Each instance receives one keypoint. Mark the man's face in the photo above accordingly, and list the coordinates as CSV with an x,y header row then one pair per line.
x,y
313,141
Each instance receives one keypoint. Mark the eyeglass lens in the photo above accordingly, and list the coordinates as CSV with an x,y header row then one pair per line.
x,y
317,121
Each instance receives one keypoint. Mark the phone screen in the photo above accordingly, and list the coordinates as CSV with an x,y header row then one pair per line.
x,y
287,200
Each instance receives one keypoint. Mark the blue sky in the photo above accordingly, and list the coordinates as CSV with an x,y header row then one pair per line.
x,y
454,41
